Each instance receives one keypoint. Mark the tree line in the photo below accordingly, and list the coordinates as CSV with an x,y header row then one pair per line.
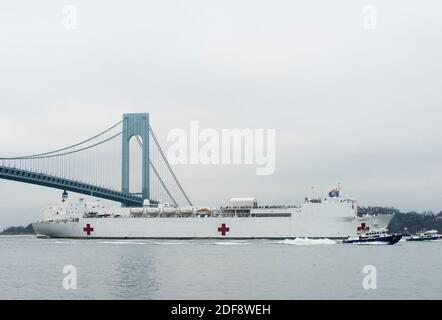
x,y
410,222
18,230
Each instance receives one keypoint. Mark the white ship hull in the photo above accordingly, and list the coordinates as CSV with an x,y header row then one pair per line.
x,y
211,227
333,218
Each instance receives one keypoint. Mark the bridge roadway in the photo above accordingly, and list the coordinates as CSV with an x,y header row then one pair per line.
x,y
45,180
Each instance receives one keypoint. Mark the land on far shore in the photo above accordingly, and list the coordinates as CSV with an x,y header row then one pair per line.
x,y
18,230
407,222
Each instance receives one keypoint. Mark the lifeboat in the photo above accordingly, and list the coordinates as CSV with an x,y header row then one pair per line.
x,y
169,210
153,210
185,210
203,211
137,211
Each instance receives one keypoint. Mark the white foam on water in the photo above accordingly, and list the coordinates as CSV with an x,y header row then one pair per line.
x,y
66,242
374,243
229,243
121,242
306,242
169,243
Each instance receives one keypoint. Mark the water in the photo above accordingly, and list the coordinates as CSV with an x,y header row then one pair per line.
x,y
31,268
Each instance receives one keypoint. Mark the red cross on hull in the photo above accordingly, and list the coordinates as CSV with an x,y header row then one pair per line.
x,y
223,229
88,229
363,227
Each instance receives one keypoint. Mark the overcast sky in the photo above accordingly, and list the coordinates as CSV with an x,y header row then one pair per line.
x,y
361,107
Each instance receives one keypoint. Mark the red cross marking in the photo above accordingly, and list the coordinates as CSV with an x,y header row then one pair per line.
x,y
363,227
223,229
88,229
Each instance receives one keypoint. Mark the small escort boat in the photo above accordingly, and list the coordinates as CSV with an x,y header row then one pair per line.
x,y
425,236
375,236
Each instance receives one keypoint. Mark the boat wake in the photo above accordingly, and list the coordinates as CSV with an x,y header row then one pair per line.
x,y
306,242
168,243
229,243
121,242
373,243
66,242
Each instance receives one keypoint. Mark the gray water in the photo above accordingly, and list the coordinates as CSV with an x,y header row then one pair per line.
x,y
31,268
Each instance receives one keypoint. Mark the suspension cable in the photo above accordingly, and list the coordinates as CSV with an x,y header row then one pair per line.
x,y
168,166
162,183
158,175
41,155
66,153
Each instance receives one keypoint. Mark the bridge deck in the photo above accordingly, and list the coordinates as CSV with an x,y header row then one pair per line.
x,y
45,180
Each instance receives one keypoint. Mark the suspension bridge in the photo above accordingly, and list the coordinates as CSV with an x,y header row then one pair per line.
x,y
124,163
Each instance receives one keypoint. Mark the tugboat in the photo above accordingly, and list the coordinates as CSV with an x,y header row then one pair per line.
x,y
425,236
380,235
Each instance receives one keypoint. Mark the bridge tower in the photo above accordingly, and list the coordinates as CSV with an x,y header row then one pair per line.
x,y
136,124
